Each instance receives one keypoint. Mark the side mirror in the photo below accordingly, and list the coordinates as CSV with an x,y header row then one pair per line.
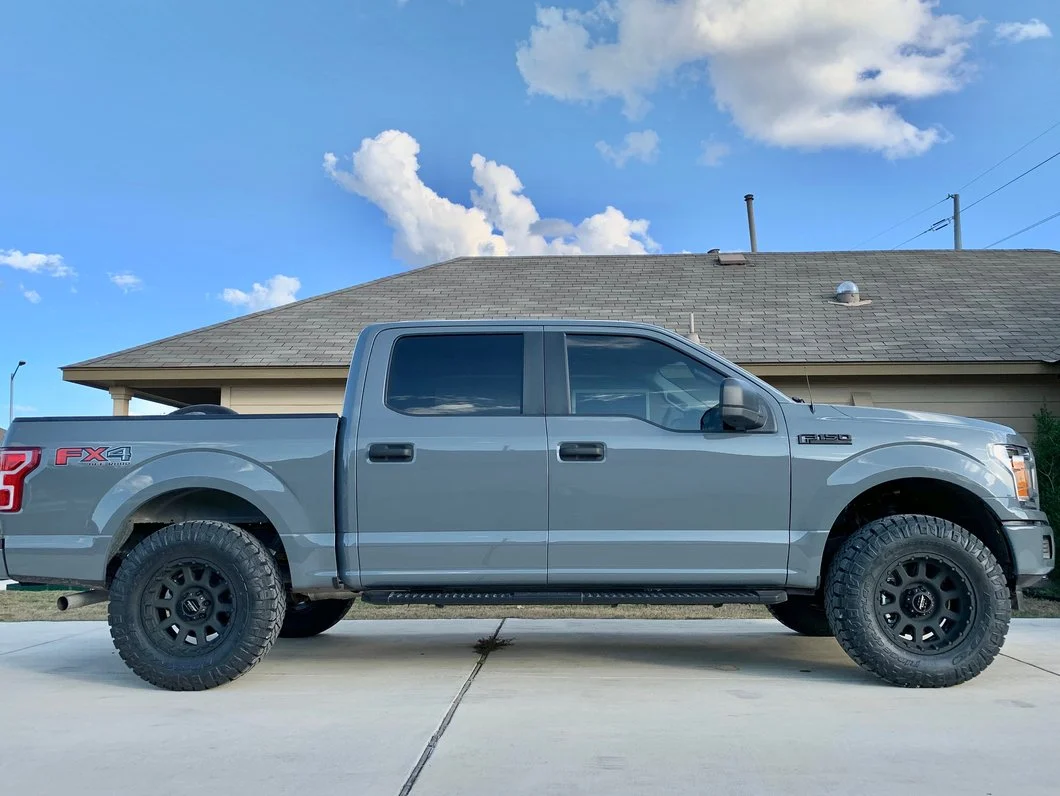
x,y
742,407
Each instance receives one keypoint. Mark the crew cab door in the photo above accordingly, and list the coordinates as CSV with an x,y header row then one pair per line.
x,y
451,461
638,493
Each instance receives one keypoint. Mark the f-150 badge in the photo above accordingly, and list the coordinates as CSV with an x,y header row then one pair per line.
x,y
826,439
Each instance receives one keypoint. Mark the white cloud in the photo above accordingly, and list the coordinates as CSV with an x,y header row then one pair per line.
x,y
500,221
714,152
1016,32
126,281
276,291
34,263
801,73
32,296
643,146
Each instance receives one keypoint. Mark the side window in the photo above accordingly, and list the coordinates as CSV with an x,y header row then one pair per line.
x,y
635,376
456,374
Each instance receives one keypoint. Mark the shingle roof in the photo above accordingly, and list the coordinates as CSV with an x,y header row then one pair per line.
x,y
927,306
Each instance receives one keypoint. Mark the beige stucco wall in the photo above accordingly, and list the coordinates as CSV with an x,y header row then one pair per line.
x,y
1012,400
285,397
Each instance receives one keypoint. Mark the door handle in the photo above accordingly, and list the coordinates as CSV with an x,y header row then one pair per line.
x,y
390,452
581,451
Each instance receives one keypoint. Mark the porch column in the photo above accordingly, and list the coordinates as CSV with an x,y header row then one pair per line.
x,y
121,396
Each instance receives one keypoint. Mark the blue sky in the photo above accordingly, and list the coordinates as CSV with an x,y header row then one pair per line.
x,y
157,160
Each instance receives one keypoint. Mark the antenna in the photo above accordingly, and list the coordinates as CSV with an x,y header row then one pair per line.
x,y
809,392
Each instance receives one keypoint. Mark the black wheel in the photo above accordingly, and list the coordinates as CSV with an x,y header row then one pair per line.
x,y
803,614
918,601
313,618
196,605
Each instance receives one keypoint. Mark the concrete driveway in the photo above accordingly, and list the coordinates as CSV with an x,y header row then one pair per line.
x,y
571,707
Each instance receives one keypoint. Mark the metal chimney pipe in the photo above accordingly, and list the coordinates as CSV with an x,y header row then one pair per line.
x,y
750,199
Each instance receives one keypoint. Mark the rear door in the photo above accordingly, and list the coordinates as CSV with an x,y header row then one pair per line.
x,y
452,466
638,492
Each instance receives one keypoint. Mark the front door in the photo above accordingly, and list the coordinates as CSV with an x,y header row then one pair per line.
x,y
451,471
639,493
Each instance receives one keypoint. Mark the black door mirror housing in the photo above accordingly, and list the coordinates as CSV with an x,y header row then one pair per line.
x,y
741,406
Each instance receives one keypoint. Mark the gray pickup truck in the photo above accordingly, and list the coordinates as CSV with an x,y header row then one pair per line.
x,y
532,462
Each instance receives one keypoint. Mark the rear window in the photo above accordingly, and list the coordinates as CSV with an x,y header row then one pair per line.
x,y
457,374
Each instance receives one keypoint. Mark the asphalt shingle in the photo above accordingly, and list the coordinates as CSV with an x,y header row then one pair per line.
x,y
927,306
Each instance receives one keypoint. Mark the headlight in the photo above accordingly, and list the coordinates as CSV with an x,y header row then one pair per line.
x,y
1019,462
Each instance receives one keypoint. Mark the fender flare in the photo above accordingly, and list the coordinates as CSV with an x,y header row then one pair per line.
x,y
221,471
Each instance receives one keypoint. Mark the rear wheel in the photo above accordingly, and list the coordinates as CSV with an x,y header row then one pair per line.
x,y
196,605
918,601
311,618
803,614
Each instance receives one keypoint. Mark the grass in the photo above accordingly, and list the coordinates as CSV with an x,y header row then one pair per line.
x,y
1047,589
26,606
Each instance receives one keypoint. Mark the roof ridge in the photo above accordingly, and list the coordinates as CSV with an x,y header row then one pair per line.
x,y
259,313
786,253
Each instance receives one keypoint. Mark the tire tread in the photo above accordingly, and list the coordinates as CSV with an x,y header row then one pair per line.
x,y
849,602
264,617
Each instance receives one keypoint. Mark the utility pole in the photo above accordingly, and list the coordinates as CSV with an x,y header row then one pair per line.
x,y
750,199
11,393
956,221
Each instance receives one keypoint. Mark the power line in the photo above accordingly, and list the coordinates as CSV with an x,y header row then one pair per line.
x,y
1008,157
942,223
1014,179
900,223
970,182
1025,229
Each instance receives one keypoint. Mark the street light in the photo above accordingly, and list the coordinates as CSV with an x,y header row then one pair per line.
x,y
11,393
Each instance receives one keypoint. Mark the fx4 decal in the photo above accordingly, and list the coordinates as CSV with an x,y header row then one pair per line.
x,y
119,457
826,439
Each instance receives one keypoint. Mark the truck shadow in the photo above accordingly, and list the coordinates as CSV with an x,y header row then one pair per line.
x,y
583,647
359,651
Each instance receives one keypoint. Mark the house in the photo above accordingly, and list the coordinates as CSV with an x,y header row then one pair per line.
x,y
975,333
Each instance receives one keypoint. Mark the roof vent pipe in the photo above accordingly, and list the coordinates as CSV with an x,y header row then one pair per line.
x,y
750,199
692,328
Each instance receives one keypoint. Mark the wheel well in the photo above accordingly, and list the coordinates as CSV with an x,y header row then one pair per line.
x,y
922,496
198,504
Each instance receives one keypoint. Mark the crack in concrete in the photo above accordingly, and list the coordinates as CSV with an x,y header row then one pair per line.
x,y
49,641
1032,665
432,744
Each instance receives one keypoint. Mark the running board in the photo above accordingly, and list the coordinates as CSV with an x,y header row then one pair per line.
x,y
596,597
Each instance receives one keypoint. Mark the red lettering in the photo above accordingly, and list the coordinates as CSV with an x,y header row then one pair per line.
x,y
64,455
95,455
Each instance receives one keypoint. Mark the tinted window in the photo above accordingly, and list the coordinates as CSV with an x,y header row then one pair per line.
x,y
624,375
457,374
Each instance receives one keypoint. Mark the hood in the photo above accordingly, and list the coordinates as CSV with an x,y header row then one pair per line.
x,y
913,416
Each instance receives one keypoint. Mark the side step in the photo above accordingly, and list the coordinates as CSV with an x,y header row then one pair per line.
x,y
595,597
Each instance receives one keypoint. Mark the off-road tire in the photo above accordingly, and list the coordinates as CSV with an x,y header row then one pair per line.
x,y
307,619
854,601
219,555
803,614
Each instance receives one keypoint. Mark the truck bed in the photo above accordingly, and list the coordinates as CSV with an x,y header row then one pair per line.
x,y
99,477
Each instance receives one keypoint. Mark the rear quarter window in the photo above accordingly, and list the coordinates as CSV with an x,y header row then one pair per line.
x,y
456,374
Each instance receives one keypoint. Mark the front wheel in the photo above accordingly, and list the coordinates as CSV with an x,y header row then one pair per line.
x,y
918,601
195,605
307,619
